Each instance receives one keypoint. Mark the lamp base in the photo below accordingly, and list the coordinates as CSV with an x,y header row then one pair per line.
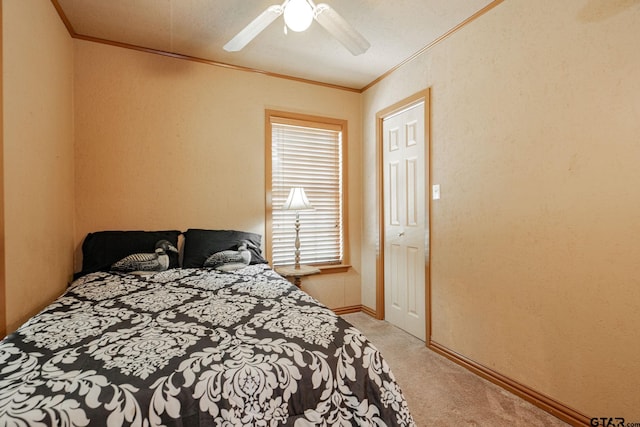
x,y
296,264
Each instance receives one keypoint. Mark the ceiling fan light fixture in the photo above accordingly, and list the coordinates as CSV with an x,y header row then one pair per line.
x,y
298,15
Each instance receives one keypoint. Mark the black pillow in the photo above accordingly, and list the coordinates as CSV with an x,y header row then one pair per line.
x,y
101,249
200,244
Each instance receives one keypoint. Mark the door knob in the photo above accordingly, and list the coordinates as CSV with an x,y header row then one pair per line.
x,y
401,234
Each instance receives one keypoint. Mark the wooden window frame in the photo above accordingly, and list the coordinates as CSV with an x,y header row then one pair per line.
x,y
284,116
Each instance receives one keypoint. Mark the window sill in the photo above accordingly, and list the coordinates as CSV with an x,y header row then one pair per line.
x,y
330,269
325,269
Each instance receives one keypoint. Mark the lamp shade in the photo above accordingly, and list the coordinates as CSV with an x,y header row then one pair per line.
x,y
298,15
297,200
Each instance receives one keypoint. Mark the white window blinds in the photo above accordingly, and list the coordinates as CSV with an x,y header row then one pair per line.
x,y
308,155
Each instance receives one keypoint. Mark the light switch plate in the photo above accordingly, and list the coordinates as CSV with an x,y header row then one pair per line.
x,y
436,192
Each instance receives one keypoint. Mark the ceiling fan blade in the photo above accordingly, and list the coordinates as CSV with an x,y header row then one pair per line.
x,y
341,29
254,28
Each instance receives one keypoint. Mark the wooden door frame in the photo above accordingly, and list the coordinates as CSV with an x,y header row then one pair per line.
x,y
425,96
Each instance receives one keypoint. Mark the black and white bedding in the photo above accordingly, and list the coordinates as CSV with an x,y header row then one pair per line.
x,y
193,347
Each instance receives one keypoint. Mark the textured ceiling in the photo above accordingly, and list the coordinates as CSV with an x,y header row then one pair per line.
x,y
199,28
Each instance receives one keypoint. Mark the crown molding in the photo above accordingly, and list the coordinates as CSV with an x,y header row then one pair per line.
x,y
211,62
75,35
455,29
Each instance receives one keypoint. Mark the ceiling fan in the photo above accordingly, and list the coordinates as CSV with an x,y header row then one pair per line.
x,y
298,15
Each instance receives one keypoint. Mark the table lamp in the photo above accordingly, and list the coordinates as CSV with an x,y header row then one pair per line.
x,y
297,201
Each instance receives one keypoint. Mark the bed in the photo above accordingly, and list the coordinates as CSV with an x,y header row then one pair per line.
x,y
193,347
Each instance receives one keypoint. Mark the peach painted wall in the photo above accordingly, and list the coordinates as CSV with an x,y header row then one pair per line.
x,y
535,144
163,143
38,156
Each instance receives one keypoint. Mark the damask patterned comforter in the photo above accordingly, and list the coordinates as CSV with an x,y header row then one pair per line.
x,y
193,347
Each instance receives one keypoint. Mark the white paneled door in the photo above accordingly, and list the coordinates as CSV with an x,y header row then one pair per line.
x,y
406,224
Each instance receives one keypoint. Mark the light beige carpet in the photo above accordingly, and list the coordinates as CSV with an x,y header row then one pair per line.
x,y
441,393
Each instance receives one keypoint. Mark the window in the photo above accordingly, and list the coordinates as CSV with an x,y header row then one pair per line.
x,y
308,152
